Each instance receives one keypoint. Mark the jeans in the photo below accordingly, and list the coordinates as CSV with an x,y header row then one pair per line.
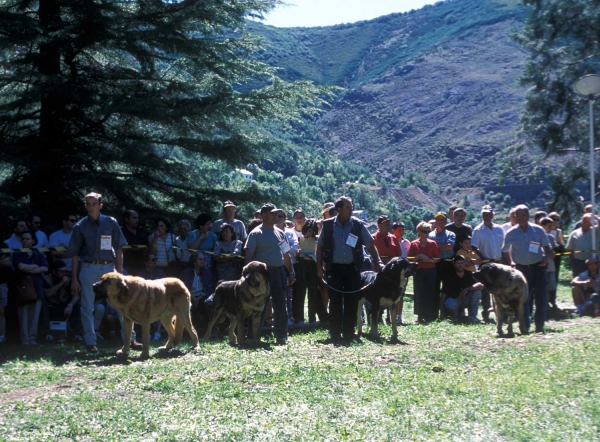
x,y
536,280
90,273
470,302
278,285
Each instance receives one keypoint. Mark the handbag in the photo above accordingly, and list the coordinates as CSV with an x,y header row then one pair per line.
x,y
26,290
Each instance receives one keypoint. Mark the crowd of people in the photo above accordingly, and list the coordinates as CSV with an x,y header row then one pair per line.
x,y
314,265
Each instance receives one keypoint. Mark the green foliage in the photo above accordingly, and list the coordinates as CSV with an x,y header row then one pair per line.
x,y
561,38
565,195
99,95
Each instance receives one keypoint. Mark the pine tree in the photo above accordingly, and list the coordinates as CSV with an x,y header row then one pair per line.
x,y
98,95
562,38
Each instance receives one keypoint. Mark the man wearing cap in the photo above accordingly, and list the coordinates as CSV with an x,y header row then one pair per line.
x,y
228,217
487,239
340,258
97,245
267,244
457,227
445,240
528,247
386,243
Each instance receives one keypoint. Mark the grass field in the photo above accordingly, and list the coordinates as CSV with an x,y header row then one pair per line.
x,y
442,382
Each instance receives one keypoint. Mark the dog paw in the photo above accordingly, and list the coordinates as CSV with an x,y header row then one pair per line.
x,y
163,348
121,352
144,356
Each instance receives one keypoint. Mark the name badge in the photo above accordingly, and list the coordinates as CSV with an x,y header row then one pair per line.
x,y
284,246
352,239
534,247
105,242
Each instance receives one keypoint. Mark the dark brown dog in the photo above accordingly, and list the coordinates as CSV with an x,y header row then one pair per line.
x,y
510,290
144,302
383,290
245,298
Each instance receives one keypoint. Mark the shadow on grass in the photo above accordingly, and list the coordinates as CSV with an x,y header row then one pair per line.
x,y
59,355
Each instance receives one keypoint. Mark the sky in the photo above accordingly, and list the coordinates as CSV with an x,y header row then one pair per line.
x,y
307,13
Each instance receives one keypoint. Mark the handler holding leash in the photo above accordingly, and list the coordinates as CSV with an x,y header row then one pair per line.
x,y
267,244
97,241
340,248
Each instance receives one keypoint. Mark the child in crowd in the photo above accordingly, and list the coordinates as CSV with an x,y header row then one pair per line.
x,y
465,250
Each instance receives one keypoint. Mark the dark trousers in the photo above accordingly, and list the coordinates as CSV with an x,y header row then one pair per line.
x,y
536,280
278,286
442,269
307,280
427,296
343,306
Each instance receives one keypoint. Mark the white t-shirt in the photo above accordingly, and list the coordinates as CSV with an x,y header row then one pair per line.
x,y
61,239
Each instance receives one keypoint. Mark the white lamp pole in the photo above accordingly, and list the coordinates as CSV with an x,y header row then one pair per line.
x,y
588,87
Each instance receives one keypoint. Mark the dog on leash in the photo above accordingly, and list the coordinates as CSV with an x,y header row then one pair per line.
x,y
144,301
383,290
238,300
510,290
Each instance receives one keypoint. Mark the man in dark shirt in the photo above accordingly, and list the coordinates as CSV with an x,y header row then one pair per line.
x,y
460,291
96,246
133,258
457,227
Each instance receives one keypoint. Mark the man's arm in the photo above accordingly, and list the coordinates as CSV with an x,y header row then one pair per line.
x,y
375,255
249,255
287,261
319,256
507,258
75,286
119,263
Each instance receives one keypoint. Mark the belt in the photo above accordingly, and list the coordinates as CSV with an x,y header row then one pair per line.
x,y
99,262
535,264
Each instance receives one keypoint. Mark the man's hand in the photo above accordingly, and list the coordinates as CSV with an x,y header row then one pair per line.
x,y
75,287
291,279
68,311
320,273
379,267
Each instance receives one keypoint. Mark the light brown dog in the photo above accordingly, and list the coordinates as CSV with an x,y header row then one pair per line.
x,y
144,302
245,298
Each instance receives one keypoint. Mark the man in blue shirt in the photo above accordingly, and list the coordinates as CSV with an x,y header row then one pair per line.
x,y
96,245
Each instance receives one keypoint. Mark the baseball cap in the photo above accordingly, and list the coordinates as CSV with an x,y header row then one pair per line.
x,y
228,204
383,219
487,209
440,215
269,207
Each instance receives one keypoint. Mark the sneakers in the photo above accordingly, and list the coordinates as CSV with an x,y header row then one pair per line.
x,y
91,348
157,336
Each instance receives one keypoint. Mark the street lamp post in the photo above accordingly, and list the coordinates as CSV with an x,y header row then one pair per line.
x,y
588,87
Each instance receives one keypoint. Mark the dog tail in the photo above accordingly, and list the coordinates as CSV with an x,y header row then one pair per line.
x,y
178,330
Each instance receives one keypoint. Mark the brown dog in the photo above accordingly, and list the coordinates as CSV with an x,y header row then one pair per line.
x,y
245,298
144,302
510,290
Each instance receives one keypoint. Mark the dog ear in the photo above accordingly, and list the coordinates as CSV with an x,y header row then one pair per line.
x,y
123,290
246,269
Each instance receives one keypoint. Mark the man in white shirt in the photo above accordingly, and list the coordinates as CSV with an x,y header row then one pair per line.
x,y
14,242
34,222
61,238
487,239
